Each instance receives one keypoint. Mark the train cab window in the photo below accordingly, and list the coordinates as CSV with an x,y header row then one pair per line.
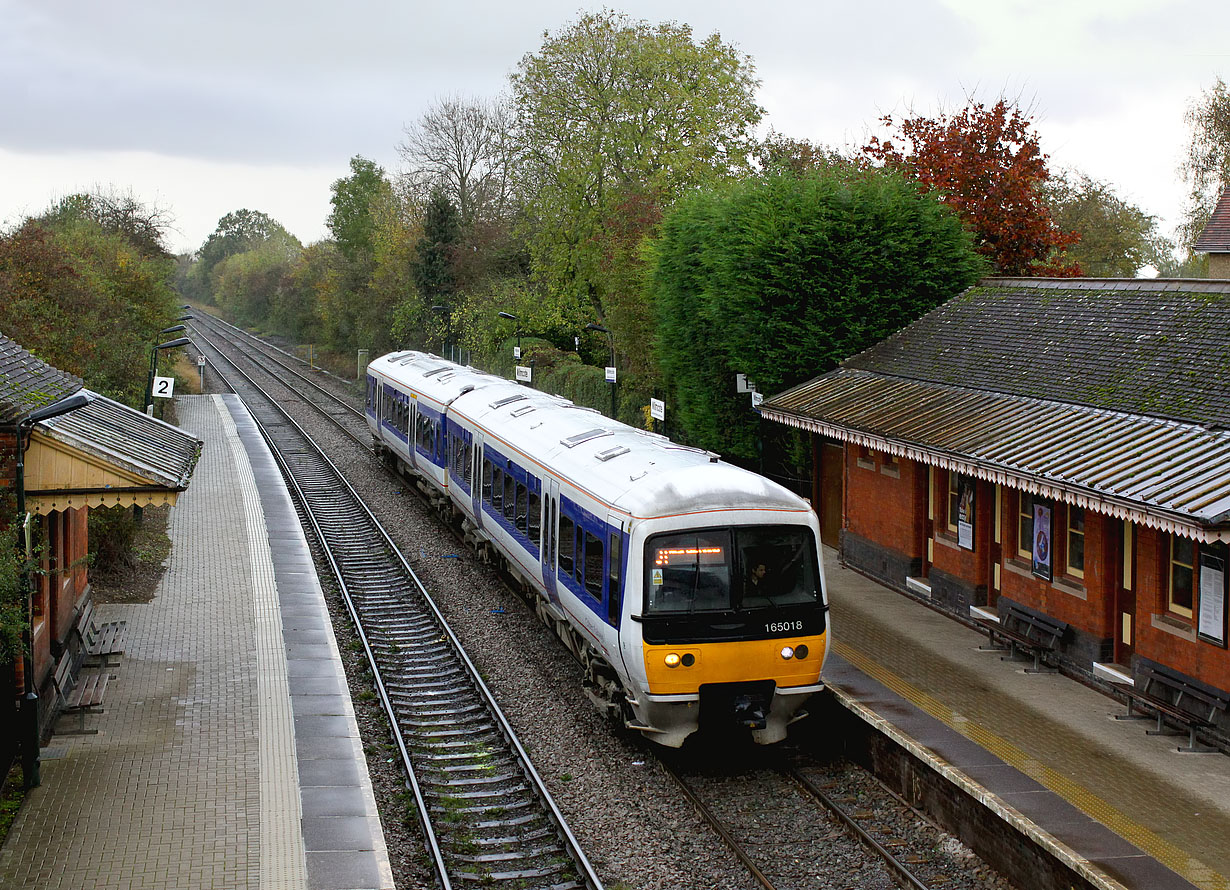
x,y
523,510
614,578
535,516
497,489
593,566
567,544
487,470
510,497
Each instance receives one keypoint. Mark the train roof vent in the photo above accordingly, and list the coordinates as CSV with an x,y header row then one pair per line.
x,y
469,387
612,452
439,370
524,409
408,358
507,400
574,441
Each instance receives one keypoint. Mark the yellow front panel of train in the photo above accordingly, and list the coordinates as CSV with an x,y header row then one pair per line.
x,y
670,673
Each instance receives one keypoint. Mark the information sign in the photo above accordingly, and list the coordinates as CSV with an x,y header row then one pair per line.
x,y
657,409
523,374
164,387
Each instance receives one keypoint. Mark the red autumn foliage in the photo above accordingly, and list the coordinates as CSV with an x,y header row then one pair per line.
x,y
987,165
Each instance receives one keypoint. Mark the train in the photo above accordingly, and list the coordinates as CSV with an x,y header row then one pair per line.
x,y
692,591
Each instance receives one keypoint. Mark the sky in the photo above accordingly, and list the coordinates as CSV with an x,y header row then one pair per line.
x,y
200,109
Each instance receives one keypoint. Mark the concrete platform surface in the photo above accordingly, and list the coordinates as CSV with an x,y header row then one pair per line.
x,y
1046,748
227,754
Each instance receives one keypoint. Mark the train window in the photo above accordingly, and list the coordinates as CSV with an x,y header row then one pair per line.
x,y
467,469
535,517
510,496
497,489
614,578
567,544
487,468
593,566
523,511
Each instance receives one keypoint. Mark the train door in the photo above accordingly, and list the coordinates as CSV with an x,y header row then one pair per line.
x,y
476,481
412,431
550,535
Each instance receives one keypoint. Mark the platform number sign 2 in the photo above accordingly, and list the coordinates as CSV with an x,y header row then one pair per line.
x,y
164,387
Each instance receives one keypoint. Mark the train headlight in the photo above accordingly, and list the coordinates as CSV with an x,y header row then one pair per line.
x,y
800,651
787,653
672,660
688,659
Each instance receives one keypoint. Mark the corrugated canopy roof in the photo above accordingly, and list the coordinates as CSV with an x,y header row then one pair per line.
x,y
28,383
105,454
1108,394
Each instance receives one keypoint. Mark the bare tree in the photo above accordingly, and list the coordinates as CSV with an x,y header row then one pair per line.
x,y
462,146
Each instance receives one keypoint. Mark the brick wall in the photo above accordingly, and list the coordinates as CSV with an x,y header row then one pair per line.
x,y
880,501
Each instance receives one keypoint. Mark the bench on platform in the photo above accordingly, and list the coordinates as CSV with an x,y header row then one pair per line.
x,y
99,642
1173,697
78,692
1033,634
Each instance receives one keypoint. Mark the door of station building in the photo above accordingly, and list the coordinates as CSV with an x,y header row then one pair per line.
x,y
1122,566
832,471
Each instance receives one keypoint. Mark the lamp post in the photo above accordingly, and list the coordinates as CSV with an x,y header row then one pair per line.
x,y
512,317
448,327
153,361
610,371
29,703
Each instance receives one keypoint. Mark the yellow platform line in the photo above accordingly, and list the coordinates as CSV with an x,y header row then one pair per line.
x,y
1176,859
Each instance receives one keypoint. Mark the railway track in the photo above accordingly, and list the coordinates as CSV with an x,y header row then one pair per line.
x,y
485,813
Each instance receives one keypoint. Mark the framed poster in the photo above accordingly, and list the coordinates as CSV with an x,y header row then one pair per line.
x,y
1042,540
1211,623
965,512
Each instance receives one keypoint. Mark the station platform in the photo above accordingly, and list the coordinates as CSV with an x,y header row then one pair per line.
x,y
1044,751
227,754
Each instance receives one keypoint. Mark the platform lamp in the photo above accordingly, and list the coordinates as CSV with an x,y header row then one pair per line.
x,y
512,317
153,360
448,326
610,339
29,704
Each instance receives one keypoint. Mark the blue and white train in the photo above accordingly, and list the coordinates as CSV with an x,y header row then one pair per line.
x,y
691,590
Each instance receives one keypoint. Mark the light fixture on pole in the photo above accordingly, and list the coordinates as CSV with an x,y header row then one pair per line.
x,y
29,705
153,361
610,371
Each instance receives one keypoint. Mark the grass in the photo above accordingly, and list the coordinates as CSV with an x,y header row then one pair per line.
x,y
12,794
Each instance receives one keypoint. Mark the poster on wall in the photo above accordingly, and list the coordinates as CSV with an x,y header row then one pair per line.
x,y
1042,540
1211,626
965,512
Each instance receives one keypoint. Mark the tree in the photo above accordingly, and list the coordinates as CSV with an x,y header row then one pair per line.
x,y
778,153
354,196
782,276
433,269
1206,167
462,147
237,232
611,108
1117,239
986,164
141,226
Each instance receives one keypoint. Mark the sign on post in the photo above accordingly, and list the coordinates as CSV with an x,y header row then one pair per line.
x,y
164,387
523,374
610,375
757,398
657,409
517,352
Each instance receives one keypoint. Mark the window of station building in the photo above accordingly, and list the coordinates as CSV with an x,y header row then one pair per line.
x,y
1076,541
954,501
1182,575
567,544
1025,526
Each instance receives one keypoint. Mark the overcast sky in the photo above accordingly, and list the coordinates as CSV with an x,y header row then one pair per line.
x,y
205,108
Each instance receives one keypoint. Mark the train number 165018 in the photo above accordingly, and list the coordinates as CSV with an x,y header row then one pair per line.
x,y
777,627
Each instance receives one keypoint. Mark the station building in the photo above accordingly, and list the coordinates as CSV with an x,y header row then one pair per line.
x,y
1059,446
63,451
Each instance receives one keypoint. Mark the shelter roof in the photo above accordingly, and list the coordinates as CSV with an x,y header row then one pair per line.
x,y
28,383
1105,393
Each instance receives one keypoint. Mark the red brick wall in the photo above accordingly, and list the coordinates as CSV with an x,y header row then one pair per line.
x,y
879,506
1179,650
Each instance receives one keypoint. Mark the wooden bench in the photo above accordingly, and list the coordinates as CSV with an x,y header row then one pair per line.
x,y
99,642
1028,632
78,693
1174,697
